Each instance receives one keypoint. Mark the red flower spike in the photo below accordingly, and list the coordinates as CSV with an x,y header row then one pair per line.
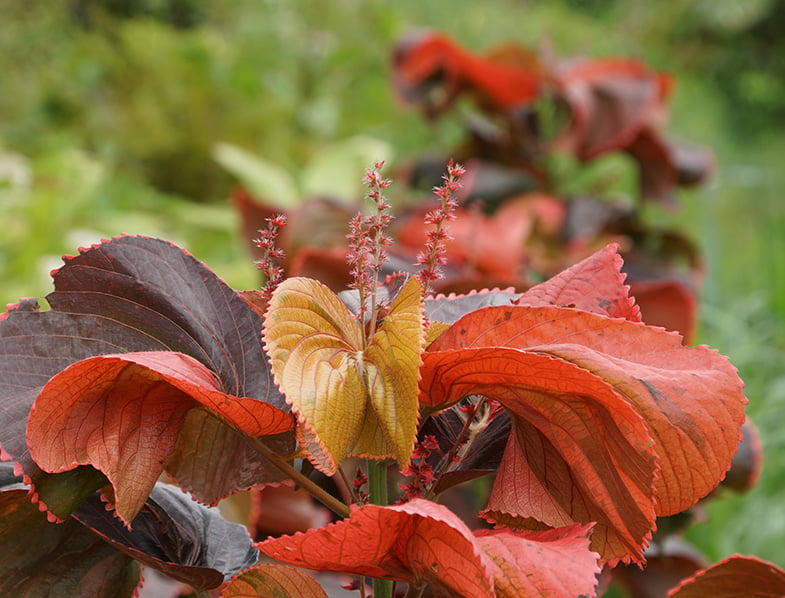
x,y
426,543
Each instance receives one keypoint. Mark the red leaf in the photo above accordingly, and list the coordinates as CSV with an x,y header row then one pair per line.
x,y
611,100
123,414
418,542
595,285
489,245
418,60
735,577
547,563
690,401
554,470
422,542
667,303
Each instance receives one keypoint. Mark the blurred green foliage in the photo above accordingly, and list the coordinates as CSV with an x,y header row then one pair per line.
x,y
110,113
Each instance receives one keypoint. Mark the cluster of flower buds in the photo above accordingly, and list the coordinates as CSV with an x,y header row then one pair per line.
x,y
434,255
419,470
269,264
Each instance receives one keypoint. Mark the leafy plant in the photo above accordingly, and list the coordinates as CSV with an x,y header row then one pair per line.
x,y
147,365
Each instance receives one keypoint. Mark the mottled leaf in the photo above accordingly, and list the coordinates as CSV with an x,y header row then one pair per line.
x,y
421,542
418,542
547,563
571,378
595,284
554,470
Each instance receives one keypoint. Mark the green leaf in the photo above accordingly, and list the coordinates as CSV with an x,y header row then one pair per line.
x,y
262,178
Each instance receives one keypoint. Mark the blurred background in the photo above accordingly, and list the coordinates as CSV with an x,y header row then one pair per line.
x,y
115,117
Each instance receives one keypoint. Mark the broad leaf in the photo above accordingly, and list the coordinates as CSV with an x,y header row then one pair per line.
x,y
636,387
667,303
273,580
554,471
38,558
547,563
129,294
450,308
177,536
735,577
594,284
348,399
423,62
425,543
489,246
611,101
123,414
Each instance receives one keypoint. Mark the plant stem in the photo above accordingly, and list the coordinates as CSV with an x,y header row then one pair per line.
x,y
282,463
377,490
319,493
377,482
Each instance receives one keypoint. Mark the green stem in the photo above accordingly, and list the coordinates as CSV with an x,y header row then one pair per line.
x,y
377,491
377,482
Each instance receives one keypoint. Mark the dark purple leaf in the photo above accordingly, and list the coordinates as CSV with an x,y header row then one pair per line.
x,y
175,535
480,455
127,294
47,559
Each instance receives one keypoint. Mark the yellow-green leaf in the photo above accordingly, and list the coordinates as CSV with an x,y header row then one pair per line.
x,y
348,400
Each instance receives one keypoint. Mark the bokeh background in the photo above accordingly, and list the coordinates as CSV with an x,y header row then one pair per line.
x,y
111,113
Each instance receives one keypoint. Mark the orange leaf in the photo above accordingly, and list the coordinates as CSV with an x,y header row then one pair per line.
x,y
425,543
690,400
735,577
273,580
547,563
123,415
419,60
348,399
554,470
